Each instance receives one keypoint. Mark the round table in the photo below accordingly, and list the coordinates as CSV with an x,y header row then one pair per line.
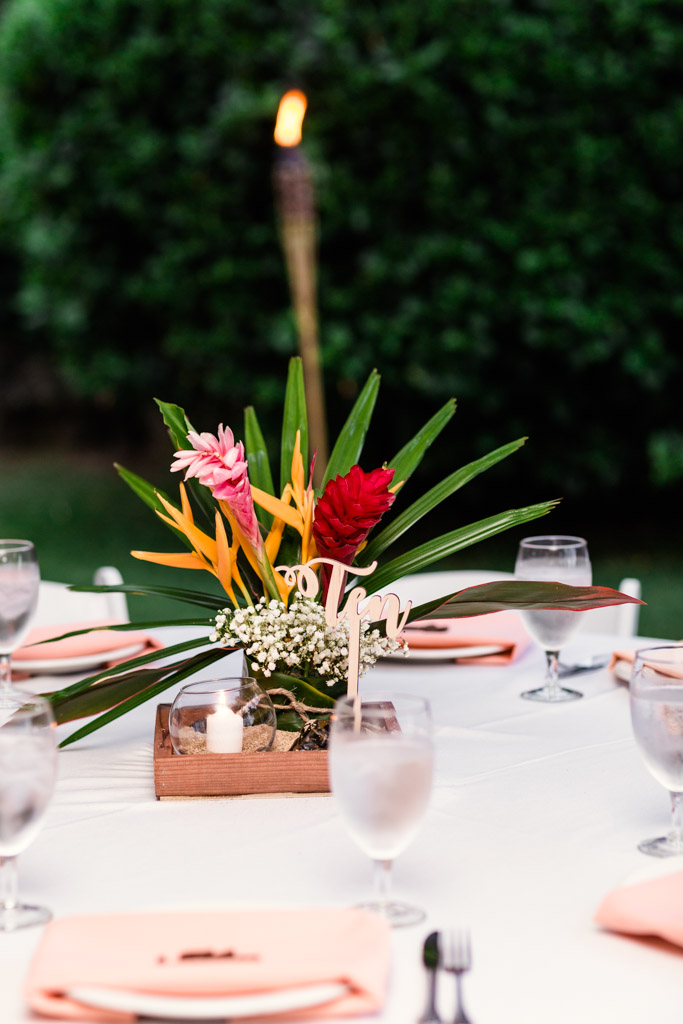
x,y
535,815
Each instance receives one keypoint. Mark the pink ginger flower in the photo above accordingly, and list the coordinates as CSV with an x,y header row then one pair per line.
x,y
220,464
213,460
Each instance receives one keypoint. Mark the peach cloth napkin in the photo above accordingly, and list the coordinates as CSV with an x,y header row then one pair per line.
x,y
628,657
102,641
652,908
269,950
505,629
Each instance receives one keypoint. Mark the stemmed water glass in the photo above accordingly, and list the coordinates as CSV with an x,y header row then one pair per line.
x,y
559,560
381,763
19,583
28,767
657,716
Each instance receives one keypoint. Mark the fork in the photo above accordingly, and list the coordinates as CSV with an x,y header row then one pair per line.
x,y
456,958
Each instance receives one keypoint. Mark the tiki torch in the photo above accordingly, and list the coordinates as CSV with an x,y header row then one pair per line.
x,y
296,211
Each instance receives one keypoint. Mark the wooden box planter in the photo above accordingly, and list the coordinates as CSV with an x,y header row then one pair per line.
x,y
188,775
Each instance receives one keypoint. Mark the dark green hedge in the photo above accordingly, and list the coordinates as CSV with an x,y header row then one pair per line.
x,y
499,186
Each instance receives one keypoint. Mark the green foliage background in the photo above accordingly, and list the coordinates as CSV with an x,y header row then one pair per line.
x,y
499,195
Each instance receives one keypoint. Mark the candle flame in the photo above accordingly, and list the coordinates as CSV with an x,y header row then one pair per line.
x,y
290,116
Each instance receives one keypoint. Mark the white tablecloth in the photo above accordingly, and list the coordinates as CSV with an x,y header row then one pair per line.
x,y
535,816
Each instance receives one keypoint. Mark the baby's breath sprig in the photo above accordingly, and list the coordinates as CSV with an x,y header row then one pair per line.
x,y
297,639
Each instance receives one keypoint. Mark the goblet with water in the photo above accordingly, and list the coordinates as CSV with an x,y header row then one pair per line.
x,y
560,560
19,583
381,763
28,767
657,716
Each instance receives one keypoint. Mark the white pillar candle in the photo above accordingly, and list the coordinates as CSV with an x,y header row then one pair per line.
x,y
224,731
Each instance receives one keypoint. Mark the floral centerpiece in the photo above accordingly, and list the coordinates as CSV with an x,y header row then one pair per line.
x,y
236,526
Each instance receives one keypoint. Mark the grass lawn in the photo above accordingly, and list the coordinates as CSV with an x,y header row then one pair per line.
x,y
81,515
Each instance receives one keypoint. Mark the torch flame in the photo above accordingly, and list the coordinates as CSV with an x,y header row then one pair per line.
x,y
290,116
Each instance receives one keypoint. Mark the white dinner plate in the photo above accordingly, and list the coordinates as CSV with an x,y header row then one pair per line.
x,y
447,653
83,663
258,1004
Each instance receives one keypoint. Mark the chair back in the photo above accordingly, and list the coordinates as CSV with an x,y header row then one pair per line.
x,y
57,604
620,619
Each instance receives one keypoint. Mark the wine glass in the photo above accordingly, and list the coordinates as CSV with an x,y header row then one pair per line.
x,y
381,762
28,767
19,583
657,717
559,560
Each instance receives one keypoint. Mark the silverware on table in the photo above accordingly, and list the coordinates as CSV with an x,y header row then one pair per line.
x,y
456,958
430,959
589,665
425,628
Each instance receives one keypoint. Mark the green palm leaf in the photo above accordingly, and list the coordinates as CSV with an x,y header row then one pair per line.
x,y
196,597
105,695
176,422
294,418
144,490
178,428
405,462
133,663
200,661
440,547
149,494
432,498
122,627
349,445
302,690
259,466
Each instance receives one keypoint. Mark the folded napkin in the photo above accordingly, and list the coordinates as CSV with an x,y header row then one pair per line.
x,y
503,629
653,908
212,953
102,641
621,664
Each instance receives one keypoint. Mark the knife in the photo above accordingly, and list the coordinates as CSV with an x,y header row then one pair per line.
x,y
590,665
430,959
425,629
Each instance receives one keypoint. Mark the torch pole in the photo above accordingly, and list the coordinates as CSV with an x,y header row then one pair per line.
x,y
294,191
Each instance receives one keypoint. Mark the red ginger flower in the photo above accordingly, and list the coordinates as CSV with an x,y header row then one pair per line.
x,y
348,509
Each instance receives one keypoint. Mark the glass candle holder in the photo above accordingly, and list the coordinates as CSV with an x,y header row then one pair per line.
x,y
222,716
